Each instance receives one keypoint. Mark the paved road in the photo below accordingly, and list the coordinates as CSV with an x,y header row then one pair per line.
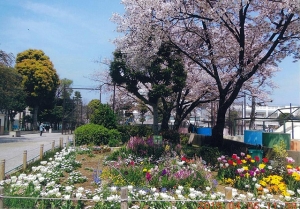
x,y
12,148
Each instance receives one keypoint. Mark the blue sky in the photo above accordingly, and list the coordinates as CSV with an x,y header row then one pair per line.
x,y
76,33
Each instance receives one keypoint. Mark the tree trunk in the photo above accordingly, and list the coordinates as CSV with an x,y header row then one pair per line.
x,y
217,131
35,112
165,120
155,119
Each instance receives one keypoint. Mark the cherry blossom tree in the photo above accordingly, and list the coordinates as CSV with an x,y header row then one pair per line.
x,y
230,41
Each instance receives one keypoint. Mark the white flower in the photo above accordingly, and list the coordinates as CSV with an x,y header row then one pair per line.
x,y
287,198
257,186
96,198
80,189
192,195
269,196
213,196
78,195
142,192
130,187
43,162
207,188
180,196
180,187
192,190
68,188
291,192
7,181
153,189
270,167
156,195
58,194
265,190
242,196
67,197
113,189
178,191
226,164
250,195
13,179
254,179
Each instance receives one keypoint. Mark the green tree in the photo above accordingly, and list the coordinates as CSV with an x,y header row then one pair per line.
x,y
165,74
40,80
105,116
12,96
92,106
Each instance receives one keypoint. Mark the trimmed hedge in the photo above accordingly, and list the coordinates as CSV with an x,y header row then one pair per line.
x,y
96,135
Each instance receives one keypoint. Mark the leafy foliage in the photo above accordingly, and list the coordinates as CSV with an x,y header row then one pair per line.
x,y
104,116
40,80
128,131
171,136
95,134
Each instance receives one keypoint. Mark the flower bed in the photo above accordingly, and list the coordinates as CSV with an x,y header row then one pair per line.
x,y
169,181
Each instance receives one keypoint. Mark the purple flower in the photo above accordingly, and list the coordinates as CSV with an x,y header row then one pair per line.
x,y
163,172
251,173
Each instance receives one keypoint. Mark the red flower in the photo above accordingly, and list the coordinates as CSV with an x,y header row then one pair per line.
x,y
131,163
265,160
183,158
256,158
239,162
148,176
234,156
230,162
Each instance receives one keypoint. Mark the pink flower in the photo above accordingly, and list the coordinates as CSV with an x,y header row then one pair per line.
x,y
290,160
243,154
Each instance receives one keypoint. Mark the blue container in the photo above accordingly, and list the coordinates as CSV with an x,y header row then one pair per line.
x,y
204,131
253,137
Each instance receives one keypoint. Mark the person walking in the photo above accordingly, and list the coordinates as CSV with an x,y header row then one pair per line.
x,y
41,129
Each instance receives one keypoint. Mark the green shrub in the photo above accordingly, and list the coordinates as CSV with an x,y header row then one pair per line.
x,y
113,143
95,134
184,139
127,131
171,136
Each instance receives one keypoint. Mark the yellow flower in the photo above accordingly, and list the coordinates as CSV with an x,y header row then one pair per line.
x,y
263,183
245,168
252,161
248,156
289,166
234,164
145,170
296,176
244,161
261,166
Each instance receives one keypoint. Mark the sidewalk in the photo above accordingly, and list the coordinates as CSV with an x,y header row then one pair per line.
x,y
12,148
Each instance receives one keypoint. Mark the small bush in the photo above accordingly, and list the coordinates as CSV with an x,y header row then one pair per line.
x,y
127,131
113,143
95,134
171,136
